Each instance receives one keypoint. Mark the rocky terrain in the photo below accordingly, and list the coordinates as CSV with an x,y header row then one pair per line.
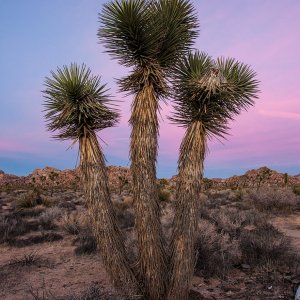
x,y
49,177
248,241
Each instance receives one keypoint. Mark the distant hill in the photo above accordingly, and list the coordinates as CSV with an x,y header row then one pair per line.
x,y
258,177
48,177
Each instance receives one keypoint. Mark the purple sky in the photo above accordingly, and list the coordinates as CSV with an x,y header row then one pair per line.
x,y
37,36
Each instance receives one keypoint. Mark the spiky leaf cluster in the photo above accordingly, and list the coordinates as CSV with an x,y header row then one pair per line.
x,y
212,92
147,35
76,102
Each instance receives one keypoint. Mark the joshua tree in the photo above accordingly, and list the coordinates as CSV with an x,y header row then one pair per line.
x,y
76,107
148,36
207,95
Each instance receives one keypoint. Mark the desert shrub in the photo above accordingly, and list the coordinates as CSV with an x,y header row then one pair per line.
x,y
164,195
263,244
85,243
272,200
230,220
296,190
11,227
73,223
217,252
26,260
47,218
219,198
31,199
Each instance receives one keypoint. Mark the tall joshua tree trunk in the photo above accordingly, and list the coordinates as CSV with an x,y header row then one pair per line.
x,y
192,152
109,238
143,152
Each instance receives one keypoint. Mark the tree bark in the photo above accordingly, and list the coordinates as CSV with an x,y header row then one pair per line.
x,y
143,153
182,247
104,224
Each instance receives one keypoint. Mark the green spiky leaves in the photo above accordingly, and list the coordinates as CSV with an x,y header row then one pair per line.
x,y
76,102
212,92
140,33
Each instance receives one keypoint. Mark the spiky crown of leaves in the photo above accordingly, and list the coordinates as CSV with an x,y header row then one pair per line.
x,y
212,91
148,35
76,103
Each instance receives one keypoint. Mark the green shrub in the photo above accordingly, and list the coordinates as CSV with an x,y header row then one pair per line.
x,y
296,190
164,195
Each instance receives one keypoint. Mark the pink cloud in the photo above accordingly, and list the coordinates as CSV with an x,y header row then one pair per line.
x,y
280,114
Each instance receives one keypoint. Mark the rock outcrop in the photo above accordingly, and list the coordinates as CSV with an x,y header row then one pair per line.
x,y
120,176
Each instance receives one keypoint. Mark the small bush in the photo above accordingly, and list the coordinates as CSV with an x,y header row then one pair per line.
x,y
27,260
85,243
296,190
217,252
12,227
274,200
48,217
263,244
164,195
231,220
73,223
31,199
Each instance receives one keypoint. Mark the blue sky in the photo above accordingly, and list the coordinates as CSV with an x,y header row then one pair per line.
x,y
37,36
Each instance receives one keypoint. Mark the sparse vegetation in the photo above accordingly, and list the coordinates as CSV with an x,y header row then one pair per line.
x,y
85,243
29,199
10,227
273,200
27,259
264,244
72,223
217,252
47,218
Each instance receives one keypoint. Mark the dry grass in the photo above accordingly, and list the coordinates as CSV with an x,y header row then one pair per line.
x,y
27,260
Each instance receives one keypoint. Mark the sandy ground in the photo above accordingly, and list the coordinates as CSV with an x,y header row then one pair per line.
x,y
56,272
290,226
